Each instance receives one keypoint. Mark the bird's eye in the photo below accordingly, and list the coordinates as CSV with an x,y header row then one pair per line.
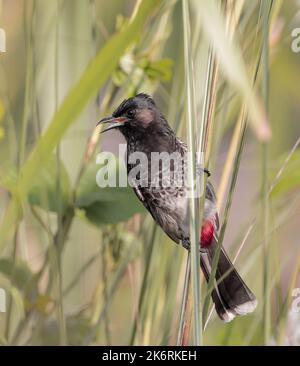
x,y
130,113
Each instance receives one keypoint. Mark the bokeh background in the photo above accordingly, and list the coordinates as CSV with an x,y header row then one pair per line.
x,y
84,265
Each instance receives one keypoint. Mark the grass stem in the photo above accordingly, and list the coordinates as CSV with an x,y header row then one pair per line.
x,y
194,201
266,6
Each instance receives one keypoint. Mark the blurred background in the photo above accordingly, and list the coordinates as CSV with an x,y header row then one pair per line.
x,y
82,265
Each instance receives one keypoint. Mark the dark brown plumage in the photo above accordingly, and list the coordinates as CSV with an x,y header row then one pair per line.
x,y
146,130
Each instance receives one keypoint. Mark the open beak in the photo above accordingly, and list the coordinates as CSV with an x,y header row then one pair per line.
x,y
115,121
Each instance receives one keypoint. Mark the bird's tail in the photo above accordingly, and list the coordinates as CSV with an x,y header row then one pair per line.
x,y
230,295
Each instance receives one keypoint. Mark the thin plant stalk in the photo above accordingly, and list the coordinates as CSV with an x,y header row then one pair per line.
x,y
239,131
110,293
28,89
233,17
144,285
224,224
209,103
187,324
265,162
194,202
254,223
58,243
104,270
169,313
22,145
208,110
184,301
229,161
10,301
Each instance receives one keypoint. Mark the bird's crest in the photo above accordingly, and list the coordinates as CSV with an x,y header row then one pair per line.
x,y
145,97
131,103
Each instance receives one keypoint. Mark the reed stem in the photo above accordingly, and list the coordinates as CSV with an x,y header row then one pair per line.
x,y
194,207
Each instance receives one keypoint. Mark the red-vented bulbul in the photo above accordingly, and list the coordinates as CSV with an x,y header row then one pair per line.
x,y
146,130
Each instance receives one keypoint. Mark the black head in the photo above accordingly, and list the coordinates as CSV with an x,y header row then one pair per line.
x,y
136,115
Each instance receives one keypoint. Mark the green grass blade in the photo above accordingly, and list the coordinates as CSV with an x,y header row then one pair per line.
x,y
266,6
194,202
92,79
96,74
184,300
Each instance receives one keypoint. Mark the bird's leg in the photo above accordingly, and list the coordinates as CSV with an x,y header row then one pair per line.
x,y
186,245
207,172
200,170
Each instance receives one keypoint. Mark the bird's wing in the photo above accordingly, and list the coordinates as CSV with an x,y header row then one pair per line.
x,y
140,196
211,196
160,216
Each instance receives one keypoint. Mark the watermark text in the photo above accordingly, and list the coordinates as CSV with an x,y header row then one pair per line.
x,y
154,171
295,46
296,300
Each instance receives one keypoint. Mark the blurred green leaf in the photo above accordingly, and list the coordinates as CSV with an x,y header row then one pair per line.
x,y
95,75
10,180
119,77
43,191
113,211
18,273
16,293
24,286
106,205
160,69
17,300
290,178
97,72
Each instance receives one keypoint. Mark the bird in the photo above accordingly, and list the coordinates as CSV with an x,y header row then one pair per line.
x,y
147,131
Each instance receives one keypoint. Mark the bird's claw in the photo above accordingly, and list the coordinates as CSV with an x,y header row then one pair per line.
x,y
207,172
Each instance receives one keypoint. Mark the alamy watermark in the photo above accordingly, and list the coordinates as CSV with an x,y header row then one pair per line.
x,y
2,40
2,300
295,45
155,170
296,300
